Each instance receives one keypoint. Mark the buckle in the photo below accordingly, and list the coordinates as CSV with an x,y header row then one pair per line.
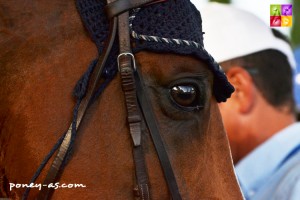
x,y
132,60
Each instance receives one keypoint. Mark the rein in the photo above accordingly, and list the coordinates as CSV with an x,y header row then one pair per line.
x,y
135,99
65,142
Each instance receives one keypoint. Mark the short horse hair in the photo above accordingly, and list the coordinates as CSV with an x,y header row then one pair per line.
x,y
272,75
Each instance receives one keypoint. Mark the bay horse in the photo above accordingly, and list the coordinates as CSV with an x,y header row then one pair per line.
x,y
44,51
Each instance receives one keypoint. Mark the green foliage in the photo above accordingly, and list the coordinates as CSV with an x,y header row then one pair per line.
x,y
296,24
220,1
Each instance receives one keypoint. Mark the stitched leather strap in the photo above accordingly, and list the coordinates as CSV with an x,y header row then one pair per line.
x,y
124,39
126,64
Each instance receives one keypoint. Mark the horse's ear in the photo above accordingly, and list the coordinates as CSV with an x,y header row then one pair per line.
x,y
245,90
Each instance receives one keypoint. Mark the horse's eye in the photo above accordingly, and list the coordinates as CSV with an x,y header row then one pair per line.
x,y
186,96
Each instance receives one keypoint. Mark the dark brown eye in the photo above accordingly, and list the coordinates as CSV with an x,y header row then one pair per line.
x,y
186,96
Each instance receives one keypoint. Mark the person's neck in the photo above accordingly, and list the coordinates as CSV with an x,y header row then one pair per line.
x,y
261,125
270,120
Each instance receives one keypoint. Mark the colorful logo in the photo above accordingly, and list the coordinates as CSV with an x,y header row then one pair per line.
x,y
281,15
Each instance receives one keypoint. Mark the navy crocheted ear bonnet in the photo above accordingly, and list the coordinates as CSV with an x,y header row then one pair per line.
x,y
173,26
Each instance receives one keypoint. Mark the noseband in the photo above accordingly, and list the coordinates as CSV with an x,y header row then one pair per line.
x,y
137,103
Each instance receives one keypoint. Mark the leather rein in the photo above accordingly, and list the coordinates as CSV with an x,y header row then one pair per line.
x,y
137,104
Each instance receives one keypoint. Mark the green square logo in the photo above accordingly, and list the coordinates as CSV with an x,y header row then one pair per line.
x,y
275,10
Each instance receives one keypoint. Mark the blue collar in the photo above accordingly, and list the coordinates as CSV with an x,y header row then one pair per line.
x,y
267,158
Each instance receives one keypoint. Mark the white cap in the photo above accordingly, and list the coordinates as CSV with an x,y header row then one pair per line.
x,y
231,32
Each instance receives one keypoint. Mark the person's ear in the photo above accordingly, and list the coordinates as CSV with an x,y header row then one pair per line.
x,y
244,94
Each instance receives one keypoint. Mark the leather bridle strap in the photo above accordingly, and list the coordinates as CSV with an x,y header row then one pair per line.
x,y
119,6
156,137
126,65
128,75
57,165
125,62
134,121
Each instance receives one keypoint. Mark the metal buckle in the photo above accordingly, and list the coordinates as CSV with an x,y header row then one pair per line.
x,y
126,54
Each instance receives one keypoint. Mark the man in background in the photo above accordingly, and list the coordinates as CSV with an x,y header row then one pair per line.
x,y
260,116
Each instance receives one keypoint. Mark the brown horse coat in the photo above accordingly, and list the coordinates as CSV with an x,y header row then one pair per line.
x,y
43,52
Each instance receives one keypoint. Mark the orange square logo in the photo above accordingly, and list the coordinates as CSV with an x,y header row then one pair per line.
x,y
286,21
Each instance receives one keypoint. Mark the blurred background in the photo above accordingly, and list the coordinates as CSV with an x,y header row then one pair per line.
x,y
262,10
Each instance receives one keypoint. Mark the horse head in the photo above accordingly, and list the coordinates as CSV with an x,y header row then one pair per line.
x,y
171,85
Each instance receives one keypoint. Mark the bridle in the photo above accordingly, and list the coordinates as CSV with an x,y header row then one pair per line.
x,y
137,104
